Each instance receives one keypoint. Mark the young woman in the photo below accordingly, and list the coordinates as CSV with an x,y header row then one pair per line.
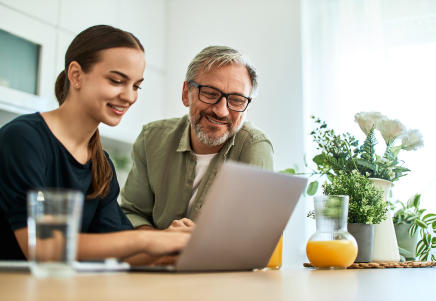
x,y
61,148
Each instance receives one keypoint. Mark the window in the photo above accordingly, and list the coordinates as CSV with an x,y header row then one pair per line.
x,y
376,55
19,63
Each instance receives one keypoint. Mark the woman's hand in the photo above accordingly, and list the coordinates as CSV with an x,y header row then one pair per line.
x,y
159,243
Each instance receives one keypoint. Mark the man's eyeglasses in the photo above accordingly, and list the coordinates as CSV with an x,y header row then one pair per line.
x,y
235,102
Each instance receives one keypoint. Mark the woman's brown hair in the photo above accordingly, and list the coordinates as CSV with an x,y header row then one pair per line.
x,y
85,49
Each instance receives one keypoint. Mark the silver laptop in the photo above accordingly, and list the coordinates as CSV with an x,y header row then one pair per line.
x,y
245,212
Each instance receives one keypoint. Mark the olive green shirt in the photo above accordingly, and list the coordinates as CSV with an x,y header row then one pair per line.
x,y
159,185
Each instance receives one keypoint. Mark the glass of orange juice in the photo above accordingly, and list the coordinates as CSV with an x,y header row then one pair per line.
x,y
275,262
331,247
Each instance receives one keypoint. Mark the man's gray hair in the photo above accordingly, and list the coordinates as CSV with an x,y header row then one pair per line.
x,y
221,55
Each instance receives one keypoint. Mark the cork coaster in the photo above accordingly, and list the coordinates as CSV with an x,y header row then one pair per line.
x,y
384,265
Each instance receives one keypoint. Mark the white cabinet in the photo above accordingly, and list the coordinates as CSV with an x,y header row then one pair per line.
x,y
53,24
40,33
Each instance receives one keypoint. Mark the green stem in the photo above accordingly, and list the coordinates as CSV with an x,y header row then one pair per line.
x,y
388,149
351,156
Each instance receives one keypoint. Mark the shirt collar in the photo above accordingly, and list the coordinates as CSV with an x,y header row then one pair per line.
x,y
228,145
185,142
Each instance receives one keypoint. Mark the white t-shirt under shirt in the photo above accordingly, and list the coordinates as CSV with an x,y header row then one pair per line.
x,y
203,162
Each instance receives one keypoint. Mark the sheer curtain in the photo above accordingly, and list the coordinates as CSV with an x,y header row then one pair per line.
x,y
375,55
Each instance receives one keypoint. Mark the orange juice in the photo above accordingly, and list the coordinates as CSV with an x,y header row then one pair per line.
x,y
276,259
332,253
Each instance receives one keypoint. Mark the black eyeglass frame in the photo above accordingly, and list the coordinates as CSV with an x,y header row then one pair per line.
x,y
222,95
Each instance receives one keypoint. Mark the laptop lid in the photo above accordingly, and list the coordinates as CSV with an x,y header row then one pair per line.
x,y
245,212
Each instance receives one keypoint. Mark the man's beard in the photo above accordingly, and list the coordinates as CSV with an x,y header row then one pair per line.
x,y
202,132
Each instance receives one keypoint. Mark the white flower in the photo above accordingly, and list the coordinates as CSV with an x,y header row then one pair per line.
x,y
368,121
412,141
391,130
392,174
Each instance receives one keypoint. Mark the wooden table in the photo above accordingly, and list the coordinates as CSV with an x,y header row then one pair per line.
x,y
286,284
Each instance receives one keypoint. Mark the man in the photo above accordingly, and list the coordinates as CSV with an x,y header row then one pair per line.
x,y
175,161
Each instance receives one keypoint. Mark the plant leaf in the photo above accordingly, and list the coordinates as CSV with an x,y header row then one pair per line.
x,y
289,171
429,218
410,202
396,150
421,223
433,242
420,247
423,256
417,201
412,229
400,168
365,163
319,159
433,258
312,188
421,211
422,232
433,225
426,241
410,218
414,201
404,252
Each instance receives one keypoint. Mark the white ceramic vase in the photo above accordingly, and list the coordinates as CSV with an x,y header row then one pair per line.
x,y
385,246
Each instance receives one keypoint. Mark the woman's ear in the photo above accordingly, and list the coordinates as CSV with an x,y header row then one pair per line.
x,y
75,74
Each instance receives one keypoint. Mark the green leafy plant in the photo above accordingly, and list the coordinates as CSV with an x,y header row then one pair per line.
x,y
410,214
121,162
342,153
366,204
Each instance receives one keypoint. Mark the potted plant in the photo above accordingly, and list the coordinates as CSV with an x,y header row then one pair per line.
x,y
342,153
366,208
407,220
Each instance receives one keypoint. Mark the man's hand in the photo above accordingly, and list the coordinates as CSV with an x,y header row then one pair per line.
x,y
184,225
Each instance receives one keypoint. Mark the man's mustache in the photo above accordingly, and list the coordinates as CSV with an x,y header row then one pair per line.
x,y
214,116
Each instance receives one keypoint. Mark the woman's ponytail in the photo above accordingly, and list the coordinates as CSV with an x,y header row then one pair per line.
x,y
101,170
61,88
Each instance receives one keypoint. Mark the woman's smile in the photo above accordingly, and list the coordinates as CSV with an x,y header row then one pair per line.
x,y
117,109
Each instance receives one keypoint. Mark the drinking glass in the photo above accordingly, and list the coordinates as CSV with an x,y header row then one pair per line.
x,y
331,247
275,262
54,218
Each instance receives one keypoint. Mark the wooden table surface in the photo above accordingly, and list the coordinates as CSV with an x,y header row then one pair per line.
x,y
286,284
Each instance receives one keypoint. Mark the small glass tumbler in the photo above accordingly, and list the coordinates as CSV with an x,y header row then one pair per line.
x,y
331,247
54,218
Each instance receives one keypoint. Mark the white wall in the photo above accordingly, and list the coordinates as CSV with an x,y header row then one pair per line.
x,y
269,32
